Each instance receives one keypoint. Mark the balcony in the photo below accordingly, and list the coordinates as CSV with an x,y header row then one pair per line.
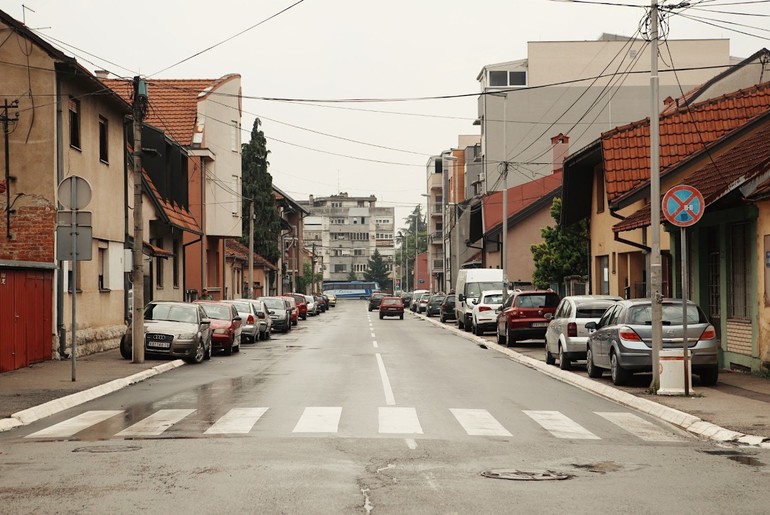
x,y
438,265
437,209
437,237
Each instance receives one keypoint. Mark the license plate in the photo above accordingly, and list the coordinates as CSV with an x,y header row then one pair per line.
x,y
159,345
539,324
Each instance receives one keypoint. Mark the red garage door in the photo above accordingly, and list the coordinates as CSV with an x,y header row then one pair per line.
x,y
26,299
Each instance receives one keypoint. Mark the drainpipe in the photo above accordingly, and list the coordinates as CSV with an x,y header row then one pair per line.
x,y
60,264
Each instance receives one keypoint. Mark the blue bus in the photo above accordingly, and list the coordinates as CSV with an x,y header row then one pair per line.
x,y
351,289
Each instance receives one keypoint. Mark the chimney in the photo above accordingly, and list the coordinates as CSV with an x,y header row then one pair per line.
x,y
560,144
102,74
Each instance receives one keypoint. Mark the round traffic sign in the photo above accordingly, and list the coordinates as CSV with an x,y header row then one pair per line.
x,y
74,192
683,205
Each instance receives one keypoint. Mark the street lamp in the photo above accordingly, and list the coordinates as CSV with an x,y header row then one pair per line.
x,y
504,171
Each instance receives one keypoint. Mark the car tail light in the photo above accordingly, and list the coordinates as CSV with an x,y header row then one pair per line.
x,y
250,320
485,308
513,313
628,334
572,329
709,334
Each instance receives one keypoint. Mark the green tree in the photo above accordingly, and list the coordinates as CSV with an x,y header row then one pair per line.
x,y
414,239
352,276
308,281
378,271
563,251
258,186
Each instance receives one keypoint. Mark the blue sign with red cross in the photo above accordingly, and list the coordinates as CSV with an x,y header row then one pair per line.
x,y
683,205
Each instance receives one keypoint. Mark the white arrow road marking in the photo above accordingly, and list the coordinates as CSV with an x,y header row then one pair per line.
x,y
236,421
560,425
74,425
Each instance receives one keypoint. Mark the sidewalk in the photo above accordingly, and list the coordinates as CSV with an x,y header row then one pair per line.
x,y
736,410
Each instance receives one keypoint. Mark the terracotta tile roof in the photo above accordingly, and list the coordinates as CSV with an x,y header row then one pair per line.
x,y
745,161
237,250
152,250
176,215
519,198
173,103
626,149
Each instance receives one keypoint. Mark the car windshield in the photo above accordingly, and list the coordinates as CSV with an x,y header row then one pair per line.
x,y
592,310
537,300
242,307
273,303
217,311
672,315
391,302
474,290
171,313
437,300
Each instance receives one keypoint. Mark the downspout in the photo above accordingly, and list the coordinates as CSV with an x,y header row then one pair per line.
x,y
60,266
640,246
184,266
127,313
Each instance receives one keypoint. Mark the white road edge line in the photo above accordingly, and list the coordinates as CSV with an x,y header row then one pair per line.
x,y
390,400
375,344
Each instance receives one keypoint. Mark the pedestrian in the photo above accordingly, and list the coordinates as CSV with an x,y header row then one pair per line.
x,y
206,295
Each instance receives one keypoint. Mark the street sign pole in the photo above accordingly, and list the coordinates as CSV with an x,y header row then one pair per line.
x,y
685,289
73,286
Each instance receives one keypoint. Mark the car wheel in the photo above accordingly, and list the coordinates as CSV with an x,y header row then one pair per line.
x,y
229,349
500,338
510,341
381,317
564,363
549,359
200,353
459,324
619,374
401,316
477,330
591,369
370,309
441,319
708,376
125,347
268,334
209,351
237,348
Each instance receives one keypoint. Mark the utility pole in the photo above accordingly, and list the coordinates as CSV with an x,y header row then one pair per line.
x,y
8,121
137,272
656,280
251,249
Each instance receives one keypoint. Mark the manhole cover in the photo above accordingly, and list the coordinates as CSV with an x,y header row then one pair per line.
x,y
99,449
524,475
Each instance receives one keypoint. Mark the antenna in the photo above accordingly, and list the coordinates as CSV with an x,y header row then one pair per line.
x,y
24,10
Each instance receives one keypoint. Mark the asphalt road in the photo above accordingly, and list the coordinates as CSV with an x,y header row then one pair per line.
x,y
353,414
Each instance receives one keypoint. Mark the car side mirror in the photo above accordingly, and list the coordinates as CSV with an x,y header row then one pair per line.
x,y
237,319
206,321
460,297
548,316
271,312
591,326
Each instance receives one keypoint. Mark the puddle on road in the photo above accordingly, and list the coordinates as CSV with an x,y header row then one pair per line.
x,y
737,457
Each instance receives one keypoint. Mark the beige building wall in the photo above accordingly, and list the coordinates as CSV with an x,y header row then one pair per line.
x,y
763,280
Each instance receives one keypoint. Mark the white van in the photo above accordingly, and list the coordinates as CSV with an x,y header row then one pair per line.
x,y
470,283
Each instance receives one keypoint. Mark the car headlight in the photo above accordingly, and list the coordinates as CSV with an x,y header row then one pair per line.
x,y
185,336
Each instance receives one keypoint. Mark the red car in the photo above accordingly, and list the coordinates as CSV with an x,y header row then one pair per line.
x,y
523,315
392,307
226,326
292,305
301,304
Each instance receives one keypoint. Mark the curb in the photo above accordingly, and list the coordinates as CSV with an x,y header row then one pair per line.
x,y
689,423
27,416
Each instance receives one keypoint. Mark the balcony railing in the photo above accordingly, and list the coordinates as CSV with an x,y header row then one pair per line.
x,y
438,264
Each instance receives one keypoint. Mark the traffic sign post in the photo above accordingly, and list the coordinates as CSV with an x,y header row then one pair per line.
x,y
74,193
683,207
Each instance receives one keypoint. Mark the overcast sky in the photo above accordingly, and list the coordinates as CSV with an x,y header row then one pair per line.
x,y
344,49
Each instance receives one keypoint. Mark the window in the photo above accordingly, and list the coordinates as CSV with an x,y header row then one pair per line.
x,y
235,136
340,268
336,204
74,108
517,78
236,194
740,272
600,191
502,78
498,78
175,265
360,268
603,274
158,265
337,221
103,141
359,252
100,264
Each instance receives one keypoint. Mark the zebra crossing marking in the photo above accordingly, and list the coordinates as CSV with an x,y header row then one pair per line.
x,y
560,425
156,423
638,426
236,421
399,421
319,420
479,422
74,425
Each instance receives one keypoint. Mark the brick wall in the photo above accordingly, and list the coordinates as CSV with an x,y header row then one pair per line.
x,y
33,224
739,337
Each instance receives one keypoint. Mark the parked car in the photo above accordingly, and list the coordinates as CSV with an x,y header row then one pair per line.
x,y
301,304
265,322
621,341
422,302
322,305
416,294
332,298
312,305
249,319
448,308
484,311
226,327
374,301
523,316
406,298
469,285
566,335
175,329
279,313
391,307
294,309
434,304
